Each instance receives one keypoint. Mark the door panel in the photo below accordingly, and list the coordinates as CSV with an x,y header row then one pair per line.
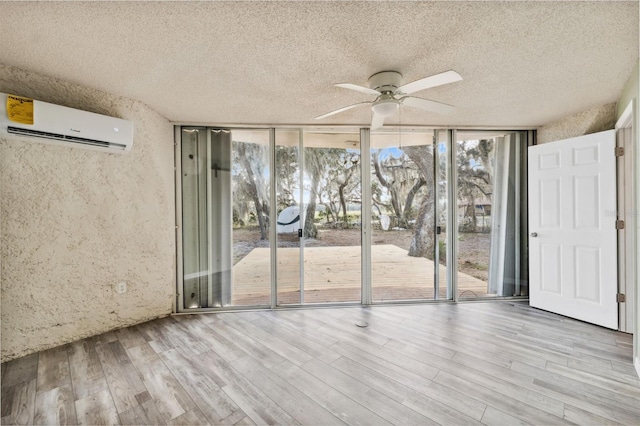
x,y
290,216
250,200
318,205
225,200
550,258
572,204
550,203
587,275
404,220
332,225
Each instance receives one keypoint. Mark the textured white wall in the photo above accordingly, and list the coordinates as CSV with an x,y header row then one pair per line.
x,y
593,120
75,222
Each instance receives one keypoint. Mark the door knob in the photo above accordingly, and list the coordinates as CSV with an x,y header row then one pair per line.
x,y
533,234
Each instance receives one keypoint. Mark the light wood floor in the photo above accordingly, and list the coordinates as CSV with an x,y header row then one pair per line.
x,y
476,363
333,274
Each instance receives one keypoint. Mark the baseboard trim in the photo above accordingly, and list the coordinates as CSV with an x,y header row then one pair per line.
x,y
636,363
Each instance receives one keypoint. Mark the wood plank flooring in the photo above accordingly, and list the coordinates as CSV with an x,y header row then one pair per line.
x,y
477,363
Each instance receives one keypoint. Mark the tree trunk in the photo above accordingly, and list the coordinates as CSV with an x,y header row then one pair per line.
x,y
310,229
395,202
327,208
261,222
253,189
474,226
423,242
343,202
408,204
335,211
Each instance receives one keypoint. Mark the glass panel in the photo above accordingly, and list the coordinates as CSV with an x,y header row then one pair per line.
x,y
441,165
332,223
225,205
250,176
194,217
403,221
288,221
489,213
219,217
206,233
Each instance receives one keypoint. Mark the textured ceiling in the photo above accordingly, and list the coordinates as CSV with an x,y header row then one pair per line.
x,y
524,64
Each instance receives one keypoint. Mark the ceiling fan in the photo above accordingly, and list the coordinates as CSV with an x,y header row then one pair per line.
x,y
391,93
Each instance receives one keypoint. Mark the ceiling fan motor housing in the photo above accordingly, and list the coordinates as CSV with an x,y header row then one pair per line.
x,y
385,81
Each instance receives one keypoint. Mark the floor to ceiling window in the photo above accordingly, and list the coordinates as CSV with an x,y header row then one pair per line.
x,y
491,220
405,204
284,217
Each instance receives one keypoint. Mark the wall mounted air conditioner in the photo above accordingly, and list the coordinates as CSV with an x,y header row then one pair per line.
x,y
62,125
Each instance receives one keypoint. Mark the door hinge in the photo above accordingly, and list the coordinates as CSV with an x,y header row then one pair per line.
x,y
621,298
619,224
619,151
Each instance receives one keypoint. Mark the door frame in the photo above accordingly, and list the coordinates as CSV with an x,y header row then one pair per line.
x,y
627,237
366,293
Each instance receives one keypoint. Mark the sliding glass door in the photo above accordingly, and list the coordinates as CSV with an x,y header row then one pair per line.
x,y
225,182
406,206
290,208
318,217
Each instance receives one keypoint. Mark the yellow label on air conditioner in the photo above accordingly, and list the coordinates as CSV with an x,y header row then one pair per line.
x,y
19,109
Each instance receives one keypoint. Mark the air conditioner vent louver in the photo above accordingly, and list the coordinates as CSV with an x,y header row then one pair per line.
x,y
47,135
60,125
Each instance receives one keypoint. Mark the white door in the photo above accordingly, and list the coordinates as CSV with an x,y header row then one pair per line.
x,y
572,235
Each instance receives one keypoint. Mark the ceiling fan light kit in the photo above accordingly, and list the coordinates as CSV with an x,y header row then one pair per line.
x,y
390,93
385,108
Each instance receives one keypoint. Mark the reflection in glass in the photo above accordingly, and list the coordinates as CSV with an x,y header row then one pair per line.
x,y
194,217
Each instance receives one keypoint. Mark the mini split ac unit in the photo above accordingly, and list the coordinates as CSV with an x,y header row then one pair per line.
x,y
62,125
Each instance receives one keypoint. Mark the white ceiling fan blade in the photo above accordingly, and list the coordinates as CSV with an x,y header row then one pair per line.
x,y
428,82
377,121
357,88
320,117
427,105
